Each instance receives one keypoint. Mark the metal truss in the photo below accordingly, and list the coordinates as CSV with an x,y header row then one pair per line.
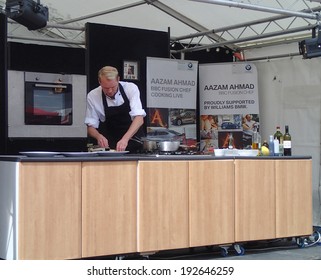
x,y
287,24
53,33
256,33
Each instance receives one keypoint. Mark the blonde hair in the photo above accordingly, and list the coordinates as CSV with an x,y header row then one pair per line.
x,y
109,72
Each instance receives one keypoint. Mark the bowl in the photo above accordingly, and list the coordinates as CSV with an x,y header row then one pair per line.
x,y
248,153
231,152
219,152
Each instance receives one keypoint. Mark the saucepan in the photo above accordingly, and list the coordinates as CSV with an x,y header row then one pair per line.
x,y
168,146
162,146
148,145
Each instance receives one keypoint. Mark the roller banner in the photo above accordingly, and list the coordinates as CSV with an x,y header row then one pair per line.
x,y
171,99
229,105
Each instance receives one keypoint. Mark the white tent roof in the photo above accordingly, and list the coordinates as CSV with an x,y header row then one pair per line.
x,y
240,25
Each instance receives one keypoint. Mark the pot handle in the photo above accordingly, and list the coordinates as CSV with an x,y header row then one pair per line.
x,y
136,139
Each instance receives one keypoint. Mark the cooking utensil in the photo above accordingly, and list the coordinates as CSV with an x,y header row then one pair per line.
x,y
136,139
168,146
148,145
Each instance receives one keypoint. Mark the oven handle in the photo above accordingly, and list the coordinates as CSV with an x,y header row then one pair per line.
x,y
50,86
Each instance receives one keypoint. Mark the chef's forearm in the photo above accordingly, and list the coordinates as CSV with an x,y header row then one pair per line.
x,y
137,122
92,132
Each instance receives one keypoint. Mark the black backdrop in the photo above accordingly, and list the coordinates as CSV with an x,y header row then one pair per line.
x,y
111,45
48,59
3,84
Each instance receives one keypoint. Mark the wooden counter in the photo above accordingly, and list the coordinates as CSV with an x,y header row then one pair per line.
x,y
108,208
49,215
162,205
70,208
211,202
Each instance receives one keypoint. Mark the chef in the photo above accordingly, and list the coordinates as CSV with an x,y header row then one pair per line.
x,y
114,112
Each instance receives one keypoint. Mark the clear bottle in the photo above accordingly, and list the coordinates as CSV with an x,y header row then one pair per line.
x,y
256,139
276,147
278,135
259,139
271,145
287,144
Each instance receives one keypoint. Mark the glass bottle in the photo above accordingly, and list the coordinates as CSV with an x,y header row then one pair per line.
x,y
259,139
256,138
276,147
271,145
279,136
287,145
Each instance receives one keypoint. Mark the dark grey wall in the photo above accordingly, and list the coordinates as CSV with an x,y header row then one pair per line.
x,y
3,84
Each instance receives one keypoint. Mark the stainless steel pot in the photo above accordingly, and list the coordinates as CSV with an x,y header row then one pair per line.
x,y
168,146
148,145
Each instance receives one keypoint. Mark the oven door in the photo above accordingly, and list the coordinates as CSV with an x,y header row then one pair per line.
x,y
48,104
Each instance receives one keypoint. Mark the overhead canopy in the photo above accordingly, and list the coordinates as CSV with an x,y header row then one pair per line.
x,y
201,24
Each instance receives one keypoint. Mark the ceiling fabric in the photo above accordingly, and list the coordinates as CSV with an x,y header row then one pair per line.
x,y
198,24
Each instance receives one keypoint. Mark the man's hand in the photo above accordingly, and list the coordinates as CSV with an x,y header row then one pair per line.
x,y
122,145
102,141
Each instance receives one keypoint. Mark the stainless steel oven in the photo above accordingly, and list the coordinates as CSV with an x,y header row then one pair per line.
x,y
48,101
46,105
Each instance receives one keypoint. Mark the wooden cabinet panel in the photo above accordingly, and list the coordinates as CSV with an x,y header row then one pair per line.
x,y
69,210
49,211
162,205
211,209
109,208
293,198
254,200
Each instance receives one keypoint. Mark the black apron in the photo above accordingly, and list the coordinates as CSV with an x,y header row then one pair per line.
x,y
117,122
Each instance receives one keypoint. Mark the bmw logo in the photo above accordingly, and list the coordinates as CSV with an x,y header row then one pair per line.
x,y
248,67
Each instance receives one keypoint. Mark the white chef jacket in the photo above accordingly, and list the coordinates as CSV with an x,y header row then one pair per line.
x,y
95,109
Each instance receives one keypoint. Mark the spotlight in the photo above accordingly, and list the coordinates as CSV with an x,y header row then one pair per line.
x,y
310,48
28,13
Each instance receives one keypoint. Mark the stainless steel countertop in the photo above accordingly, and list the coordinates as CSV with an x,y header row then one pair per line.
x,y
140,157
